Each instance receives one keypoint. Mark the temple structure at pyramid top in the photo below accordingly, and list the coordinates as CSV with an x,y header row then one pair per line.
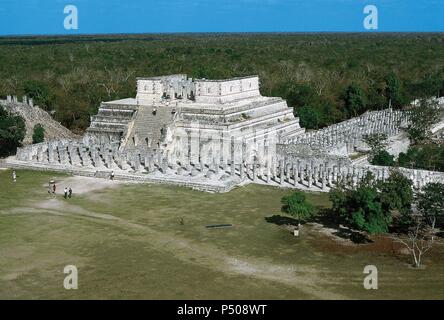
x,y
165,104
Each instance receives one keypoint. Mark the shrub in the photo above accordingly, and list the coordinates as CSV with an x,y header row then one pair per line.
x,y
39,134
12,132
297,206
383,158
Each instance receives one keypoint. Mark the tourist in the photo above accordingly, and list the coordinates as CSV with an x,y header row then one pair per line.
x,y
112,175
54,189
66,193
14,176
70,193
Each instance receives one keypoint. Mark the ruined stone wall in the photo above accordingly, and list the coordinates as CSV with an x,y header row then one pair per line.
x,y
154,90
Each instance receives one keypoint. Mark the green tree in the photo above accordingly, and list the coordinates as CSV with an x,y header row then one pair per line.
x,y
376,141
429,156
12,132
309,117
394,92
361,208
430,202
383,158
39,91
297,206
422,117
354,101
38,135
396,193
300,95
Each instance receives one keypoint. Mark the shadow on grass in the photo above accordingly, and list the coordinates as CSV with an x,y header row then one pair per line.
x,y
327,219
281,220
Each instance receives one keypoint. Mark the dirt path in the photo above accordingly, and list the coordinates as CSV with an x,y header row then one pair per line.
x,y
84,185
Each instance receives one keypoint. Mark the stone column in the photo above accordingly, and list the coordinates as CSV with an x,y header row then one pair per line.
x,y
164,166
151,164
323,180
94,158
315,180
241,170
61,154
329,178
136,162
309,177
273,170
146,162
216,163
296,174
287,171
254,170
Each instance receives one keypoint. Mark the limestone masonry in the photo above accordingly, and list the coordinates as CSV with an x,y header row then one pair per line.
x,y
213,135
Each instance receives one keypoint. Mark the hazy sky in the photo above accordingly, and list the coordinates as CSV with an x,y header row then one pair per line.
x,y
150,16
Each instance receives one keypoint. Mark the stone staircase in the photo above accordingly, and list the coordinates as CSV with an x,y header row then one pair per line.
x,y
110,123
149,127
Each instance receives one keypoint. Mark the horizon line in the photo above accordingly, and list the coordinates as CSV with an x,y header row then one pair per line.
x,y
215,32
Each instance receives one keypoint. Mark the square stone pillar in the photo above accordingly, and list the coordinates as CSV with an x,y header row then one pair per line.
x,y
323,178
255,170
309,178
281,172
241,171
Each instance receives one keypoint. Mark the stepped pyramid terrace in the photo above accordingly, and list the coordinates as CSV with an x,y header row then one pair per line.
x,y
163,105
214,135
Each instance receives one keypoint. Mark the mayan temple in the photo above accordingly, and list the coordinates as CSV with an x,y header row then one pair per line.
x,y
169,104
214,135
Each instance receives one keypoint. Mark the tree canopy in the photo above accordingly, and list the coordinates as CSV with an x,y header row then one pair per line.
x,y
296,206
361,207
430,202
422,117
38,135
354,101
337,75
370,205
12,132
382,158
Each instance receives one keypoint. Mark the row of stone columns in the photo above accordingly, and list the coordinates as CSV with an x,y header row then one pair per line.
x,y
352,131
284,172
25,100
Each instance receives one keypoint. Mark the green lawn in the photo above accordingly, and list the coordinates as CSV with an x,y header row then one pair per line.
x,y
127,242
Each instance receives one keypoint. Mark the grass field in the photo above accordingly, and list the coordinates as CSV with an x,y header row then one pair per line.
x,y
127,242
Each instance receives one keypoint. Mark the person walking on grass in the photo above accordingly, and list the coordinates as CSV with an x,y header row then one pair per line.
x,y
70,193
14,176
65,193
